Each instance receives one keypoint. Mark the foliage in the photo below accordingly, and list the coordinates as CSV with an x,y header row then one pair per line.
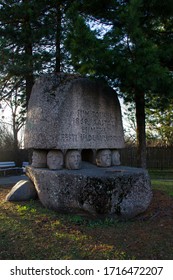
x,y
6,138
32,40
14,99
128,43
133,48
159,125
31,43
129,124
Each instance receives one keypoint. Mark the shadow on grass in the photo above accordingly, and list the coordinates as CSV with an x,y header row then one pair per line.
x,y
30,231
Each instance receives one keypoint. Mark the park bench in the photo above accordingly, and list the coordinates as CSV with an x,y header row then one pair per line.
x,y
9,168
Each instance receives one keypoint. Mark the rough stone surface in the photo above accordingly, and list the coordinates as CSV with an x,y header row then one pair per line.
x,y
23,190
116,190
55,159
70,112
73,159
39,158
116,157
103,158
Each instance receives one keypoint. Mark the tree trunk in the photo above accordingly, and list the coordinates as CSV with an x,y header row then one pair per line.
x,y
29,77
15,143
141,134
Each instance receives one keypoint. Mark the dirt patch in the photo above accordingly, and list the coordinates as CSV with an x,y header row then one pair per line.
x,y
147,236
161,208
4,191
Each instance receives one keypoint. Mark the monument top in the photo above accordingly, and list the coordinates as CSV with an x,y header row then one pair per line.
x,y
70,112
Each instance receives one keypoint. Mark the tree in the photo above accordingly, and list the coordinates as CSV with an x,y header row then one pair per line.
x,y
6,138
32,40
129,121
31,43
131,54
15,102
160,125
17,48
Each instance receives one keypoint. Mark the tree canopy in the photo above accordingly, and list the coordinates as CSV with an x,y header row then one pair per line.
x,y
32,34
127,43
31,43
135,53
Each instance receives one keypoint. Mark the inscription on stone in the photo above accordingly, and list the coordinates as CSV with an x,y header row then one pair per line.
x,y
81,114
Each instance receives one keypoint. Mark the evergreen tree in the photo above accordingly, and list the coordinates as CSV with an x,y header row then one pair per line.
x,y
32,34
128,43
20,31
159,124
31,43
133,50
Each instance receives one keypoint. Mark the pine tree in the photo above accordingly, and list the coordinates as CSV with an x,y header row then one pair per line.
x,y
32,34
19,30
131,54
31,43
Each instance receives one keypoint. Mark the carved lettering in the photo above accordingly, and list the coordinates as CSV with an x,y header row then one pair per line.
x,y
68,137
79,114
95,122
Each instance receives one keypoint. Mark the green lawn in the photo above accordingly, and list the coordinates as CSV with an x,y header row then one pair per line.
x,y
29,231
166,186
162,180
166,174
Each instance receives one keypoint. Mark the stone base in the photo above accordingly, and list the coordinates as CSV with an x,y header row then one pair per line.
x,y
122,191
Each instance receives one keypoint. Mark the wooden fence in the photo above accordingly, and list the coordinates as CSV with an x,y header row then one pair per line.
x,y
157,157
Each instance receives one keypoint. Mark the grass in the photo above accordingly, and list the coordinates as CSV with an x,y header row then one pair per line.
x,y
162,180
164,174
163,186
30,231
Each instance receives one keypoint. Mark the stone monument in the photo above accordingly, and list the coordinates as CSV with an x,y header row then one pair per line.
x,y
73,159
69,112
55,159
104,158
39,158
74,127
